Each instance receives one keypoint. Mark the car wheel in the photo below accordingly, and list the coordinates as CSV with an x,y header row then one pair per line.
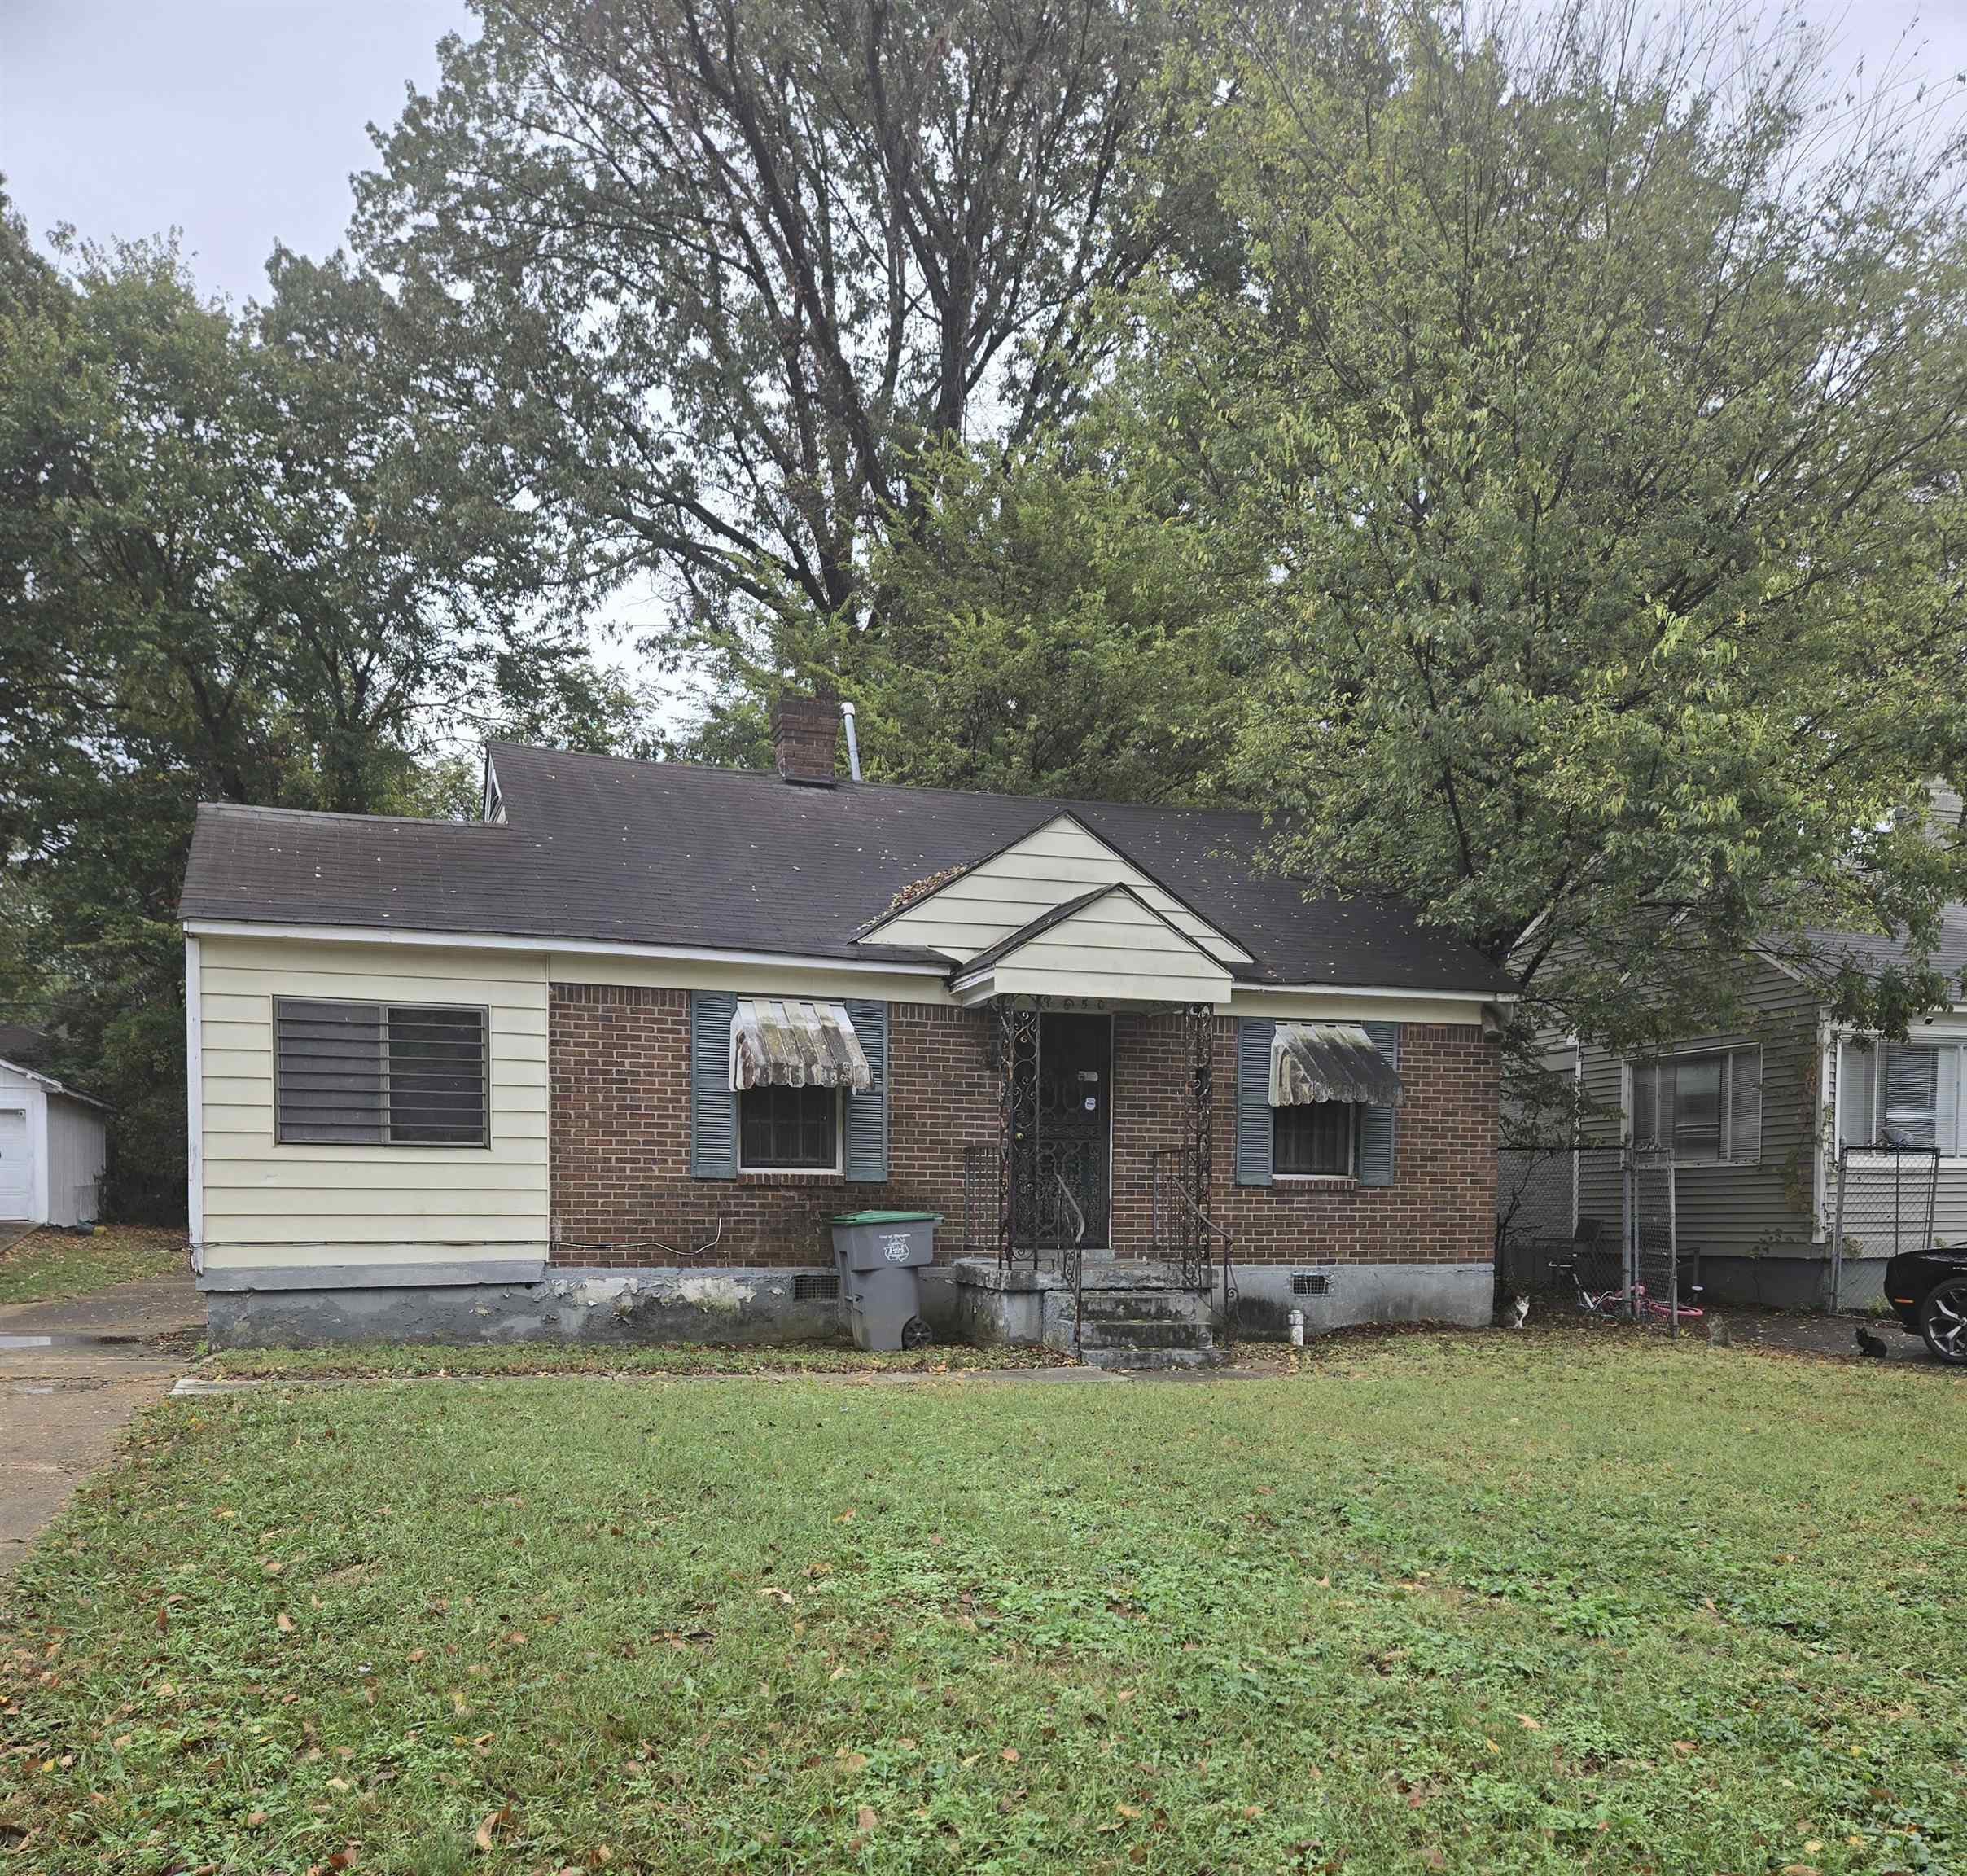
x,y
1942,1320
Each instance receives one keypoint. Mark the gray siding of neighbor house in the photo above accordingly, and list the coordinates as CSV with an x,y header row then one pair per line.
x,y
1768,1208
1950,1194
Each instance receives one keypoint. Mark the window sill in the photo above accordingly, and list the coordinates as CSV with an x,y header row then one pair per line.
x,y
1337,1179
806,1175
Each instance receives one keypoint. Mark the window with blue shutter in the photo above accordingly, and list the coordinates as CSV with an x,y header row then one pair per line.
x,y
1253,1108
1378,1126
866,1159
713,1108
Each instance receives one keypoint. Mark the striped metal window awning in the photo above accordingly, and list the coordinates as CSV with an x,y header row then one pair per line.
x,y
782,1045
1329,1062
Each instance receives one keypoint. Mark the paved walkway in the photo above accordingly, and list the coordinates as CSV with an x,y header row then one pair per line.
x,y
12,1230
1835,1335
65,1396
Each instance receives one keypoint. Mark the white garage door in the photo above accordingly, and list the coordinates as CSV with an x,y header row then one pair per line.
x,y
16,1175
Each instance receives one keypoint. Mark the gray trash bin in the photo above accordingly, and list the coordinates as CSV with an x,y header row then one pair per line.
x,y
879,1254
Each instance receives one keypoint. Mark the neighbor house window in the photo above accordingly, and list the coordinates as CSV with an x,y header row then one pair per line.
x,y
379,1074
1703,1107
1312,1139
789,1129
1901,1094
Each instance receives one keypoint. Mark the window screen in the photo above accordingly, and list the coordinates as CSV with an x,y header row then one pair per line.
x,y
1706,1108
1920,1095
1314,1137
791,1127
379,1074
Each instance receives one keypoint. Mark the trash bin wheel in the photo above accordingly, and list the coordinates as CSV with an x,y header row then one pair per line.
x,y
915,1334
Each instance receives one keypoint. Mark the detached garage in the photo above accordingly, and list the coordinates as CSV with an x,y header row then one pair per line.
x,y
51,1149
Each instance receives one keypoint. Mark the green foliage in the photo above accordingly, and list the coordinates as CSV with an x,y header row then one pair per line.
x,y
730,279
1599,403
47,1266
1043,629
769,1624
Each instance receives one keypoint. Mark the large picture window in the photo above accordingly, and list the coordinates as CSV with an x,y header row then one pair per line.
x,y
1313,1139
789,1129
379,1074
1704,1107
1901,1094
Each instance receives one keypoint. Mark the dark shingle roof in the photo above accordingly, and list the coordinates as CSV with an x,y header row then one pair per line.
x,y
1871,953
600,848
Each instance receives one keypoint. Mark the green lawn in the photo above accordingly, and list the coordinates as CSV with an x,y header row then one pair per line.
x,y
47,1265
383,1361
1477,1604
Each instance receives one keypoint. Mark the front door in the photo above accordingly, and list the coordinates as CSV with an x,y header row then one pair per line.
x,y
1075,1129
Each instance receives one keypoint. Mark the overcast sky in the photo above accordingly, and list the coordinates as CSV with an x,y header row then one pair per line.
x,y
239,120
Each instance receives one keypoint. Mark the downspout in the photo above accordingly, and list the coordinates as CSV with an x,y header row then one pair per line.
x,y
853,745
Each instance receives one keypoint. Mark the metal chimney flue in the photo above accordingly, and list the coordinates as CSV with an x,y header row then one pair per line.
x,y
853,743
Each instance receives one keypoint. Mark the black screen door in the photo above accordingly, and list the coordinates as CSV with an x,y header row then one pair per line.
x,y
1074,1128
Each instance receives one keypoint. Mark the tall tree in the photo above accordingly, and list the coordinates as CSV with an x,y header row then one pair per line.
x,y
232,568
1596,393
730,273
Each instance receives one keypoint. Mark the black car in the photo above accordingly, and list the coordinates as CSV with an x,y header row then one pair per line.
x,y
1929,1290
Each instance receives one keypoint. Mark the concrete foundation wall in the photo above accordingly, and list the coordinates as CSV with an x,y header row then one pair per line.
x,y
1020,1306
623,1308
1462,1295
1777,1282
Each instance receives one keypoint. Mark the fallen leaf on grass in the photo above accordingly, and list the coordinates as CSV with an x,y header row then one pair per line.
x,y
494,1821
284,1623
1008,1755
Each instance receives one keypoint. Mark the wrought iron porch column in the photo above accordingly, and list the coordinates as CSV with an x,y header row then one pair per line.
x,y
1198,1137
1017,1126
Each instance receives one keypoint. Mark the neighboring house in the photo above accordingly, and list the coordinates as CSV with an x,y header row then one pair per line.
x,y
604,1061
1754,1120
53,1141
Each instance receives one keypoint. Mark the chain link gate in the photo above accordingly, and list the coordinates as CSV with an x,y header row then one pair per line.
x,y
1883,1205
1653,1285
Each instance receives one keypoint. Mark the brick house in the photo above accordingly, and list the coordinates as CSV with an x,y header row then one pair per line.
x,y
604,1061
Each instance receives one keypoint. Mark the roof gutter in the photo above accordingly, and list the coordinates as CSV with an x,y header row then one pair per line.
x,y
585,947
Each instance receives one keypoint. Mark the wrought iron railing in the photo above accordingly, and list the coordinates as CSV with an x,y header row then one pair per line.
x,y
981,1203
1072,1258
1184,1234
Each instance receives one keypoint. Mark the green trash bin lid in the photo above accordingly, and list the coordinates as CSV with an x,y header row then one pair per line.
x,y
885,1218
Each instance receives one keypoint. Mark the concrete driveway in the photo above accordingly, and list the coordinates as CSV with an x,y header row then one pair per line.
x,y
73,1375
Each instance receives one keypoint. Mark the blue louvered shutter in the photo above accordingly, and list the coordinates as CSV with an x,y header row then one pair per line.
x,y
1253,1114
713,1108
866,1158
1378,1125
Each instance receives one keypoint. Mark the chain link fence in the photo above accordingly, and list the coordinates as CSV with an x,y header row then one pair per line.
x,y
1591,1220
1882,1204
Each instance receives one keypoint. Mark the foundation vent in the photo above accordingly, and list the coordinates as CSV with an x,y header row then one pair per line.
x,y
811,1285
1311,1283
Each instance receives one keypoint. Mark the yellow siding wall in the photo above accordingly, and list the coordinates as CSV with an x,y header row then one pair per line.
x,y
266,1203
1052,864
1114,949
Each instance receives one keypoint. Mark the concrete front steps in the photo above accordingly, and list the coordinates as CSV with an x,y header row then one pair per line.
x,y
1132,1315
1136,1316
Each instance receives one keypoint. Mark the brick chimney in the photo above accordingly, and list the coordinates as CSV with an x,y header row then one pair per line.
x,y
805,731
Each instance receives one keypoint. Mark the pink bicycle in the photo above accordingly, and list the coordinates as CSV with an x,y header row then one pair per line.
x,y
1628,1303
